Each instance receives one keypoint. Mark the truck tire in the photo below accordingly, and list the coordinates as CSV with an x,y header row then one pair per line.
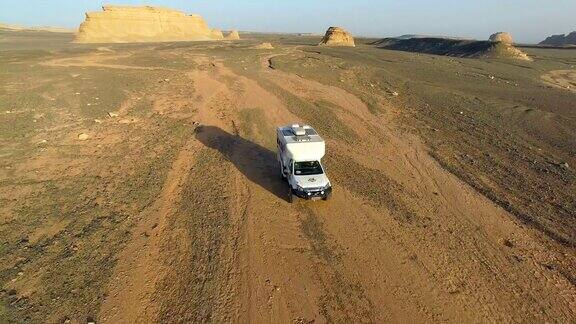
x,y
282,174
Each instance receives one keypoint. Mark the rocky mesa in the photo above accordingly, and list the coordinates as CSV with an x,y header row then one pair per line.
x,y
336,36
124,24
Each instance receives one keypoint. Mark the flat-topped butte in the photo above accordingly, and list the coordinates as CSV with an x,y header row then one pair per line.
x,y
124,24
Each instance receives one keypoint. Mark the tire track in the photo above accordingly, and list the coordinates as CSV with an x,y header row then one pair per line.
x,y
141,264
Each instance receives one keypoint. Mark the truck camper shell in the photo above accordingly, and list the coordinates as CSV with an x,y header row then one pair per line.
x,y
301,143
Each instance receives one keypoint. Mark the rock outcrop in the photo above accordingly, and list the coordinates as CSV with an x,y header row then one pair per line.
x,y
122,24
336,36
502,37
509,51
216,34
233,35
560,40
454,47
264,46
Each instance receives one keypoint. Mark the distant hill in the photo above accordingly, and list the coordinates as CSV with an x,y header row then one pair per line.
x,y
410,36
10,27
560,40
453,47
36,28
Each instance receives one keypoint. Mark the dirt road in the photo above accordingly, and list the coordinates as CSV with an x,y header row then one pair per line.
x,y
401,240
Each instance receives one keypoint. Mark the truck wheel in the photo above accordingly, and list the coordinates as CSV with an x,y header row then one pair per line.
x,y
282,171
326,198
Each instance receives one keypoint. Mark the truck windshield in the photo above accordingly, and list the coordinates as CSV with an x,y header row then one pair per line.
x,y
307,168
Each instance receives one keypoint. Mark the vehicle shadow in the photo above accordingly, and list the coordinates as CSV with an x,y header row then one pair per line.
x,y
256,162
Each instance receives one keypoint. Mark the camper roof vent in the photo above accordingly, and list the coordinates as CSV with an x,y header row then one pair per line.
x,y
298,130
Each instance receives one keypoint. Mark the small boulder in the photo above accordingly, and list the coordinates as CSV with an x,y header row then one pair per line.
x,y
83,136
506,242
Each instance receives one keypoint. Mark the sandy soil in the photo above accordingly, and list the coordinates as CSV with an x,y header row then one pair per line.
x,y
215,240
565,79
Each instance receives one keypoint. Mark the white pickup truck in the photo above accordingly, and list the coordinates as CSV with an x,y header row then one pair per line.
x,y
300,150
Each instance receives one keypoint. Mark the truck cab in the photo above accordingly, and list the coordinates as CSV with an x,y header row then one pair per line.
x,y
300,151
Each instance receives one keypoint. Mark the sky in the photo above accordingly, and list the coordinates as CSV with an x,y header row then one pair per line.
x,y
529,21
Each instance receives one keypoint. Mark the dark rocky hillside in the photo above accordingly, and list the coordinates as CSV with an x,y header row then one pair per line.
x,y
560,40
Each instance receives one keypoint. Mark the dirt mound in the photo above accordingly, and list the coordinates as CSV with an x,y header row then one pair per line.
x,y
502,37
264,46
122,24
336,36
233,35
453,47
560,40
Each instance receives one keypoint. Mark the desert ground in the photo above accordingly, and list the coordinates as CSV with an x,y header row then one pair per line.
x,y
139,183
